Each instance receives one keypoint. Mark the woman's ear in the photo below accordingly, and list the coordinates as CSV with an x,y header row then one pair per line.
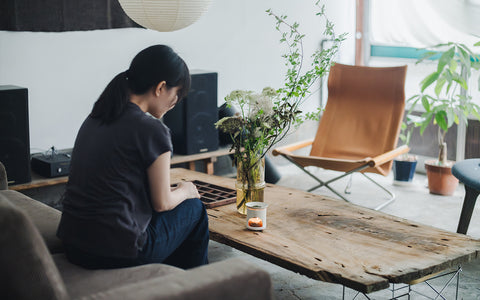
x,y
159,87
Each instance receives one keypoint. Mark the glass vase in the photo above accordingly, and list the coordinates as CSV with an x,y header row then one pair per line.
x,y
250,182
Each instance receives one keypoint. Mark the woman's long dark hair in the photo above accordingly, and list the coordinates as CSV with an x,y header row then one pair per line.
x,y
148,68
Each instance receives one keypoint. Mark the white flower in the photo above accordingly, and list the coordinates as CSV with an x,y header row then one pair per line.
x,y
257,133
239,97
268,91
260,105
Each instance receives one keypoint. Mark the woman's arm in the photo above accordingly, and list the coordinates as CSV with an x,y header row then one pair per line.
x,y
163,197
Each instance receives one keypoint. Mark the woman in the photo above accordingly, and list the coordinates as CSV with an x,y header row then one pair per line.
x,y
119,208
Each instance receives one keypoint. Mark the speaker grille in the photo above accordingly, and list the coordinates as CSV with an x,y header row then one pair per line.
x,y
14,133
192,120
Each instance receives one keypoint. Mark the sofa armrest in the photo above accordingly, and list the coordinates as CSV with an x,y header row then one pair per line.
x,y
44,217
229,279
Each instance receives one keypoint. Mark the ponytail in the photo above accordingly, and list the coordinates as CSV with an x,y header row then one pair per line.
x,y
113,99
148,68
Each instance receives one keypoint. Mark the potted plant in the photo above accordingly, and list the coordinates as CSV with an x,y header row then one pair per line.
x,y
265,118
404,165
450,104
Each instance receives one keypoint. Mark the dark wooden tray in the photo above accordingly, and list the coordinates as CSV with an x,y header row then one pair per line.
x,y
213,195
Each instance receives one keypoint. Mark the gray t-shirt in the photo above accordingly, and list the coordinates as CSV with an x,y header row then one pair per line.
x,y
106,206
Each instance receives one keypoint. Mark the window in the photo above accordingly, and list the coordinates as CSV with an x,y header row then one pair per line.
x,y
398,28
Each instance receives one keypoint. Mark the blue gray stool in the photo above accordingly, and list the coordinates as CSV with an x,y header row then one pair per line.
x,y
467,172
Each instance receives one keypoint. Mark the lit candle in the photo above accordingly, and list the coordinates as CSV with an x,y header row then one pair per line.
x,y
256,215
255,222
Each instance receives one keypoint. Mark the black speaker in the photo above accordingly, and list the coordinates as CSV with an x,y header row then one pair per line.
x,y
14,133
192,120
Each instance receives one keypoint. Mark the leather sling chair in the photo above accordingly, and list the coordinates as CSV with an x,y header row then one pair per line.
x,y
359,128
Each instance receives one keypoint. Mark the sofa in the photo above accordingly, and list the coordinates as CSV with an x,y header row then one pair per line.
x,y
34,266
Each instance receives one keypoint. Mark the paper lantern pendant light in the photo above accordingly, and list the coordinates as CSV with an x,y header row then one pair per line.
x,y
165,15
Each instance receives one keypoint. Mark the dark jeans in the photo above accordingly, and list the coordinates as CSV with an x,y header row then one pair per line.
x,y
178,237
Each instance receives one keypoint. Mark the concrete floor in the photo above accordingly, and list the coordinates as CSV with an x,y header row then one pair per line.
x,y
412,202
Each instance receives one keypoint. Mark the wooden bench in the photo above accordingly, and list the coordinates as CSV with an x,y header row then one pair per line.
x,y
208,159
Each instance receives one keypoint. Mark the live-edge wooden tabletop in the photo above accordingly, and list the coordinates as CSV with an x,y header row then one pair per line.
x,y
335,241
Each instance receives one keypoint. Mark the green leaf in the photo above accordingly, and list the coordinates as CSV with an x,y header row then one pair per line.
x,y
466,49
426,55
440,108
476,63
451,117
440,118
439,86
450,81
477,44
460,80
413,98
425,103
453,65
445,59
465,58
427,118
429,80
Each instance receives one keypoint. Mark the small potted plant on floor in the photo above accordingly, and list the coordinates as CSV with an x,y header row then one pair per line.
x,y
450,104
404,165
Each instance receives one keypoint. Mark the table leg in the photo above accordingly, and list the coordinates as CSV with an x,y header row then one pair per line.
x,y
209,165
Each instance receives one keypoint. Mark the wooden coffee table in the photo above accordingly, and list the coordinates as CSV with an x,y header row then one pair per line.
x,y
335,241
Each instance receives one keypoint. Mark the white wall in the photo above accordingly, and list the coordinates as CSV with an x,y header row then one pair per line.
x,y
65,72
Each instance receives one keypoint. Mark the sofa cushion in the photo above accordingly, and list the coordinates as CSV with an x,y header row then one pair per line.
x,y
27,269
232,279
44,217
82,282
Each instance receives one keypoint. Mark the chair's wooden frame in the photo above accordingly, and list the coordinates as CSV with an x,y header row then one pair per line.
x,y
329,163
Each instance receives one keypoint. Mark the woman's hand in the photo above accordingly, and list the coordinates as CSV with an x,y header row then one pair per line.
x,y
163,196
188,188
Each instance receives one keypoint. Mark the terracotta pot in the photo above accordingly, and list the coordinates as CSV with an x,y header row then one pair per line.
x,y
440,178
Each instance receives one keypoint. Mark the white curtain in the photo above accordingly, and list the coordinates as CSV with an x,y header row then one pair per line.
x,y
423,23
